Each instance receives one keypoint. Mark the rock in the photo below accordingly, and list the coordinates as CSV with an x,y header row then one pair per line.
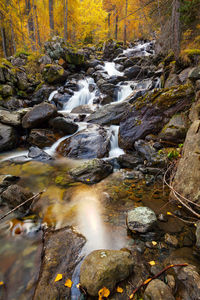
x,y
10,118
158,290
92,171
108,89
172,80
147,151
6,180
18,61
15,195
61,255
55,48
82,109
109,50
75,58
64,125
141,219
171,240
61,99
183,76
54,74
198,85
2,77
105,268
42,138
197,233
92,142
110,114
41,94
39,114
150,113
6,90
175,130
134,72
194,74
22,80
186,180
45,60
9,138
38,154
129,161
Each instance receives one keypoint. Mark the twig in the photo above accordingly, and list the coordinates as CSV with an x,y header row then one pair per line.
x,y
154,277
14,209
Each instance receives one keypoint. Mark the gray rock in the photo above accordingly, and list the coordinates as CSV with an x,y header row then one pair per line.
x,y
171,240
92,171
158,290
54,74
45,60
38,154
22,80
129,161
42,138
82,109
197,233
175,130
172,80
9,138
10,118
141,219
6,90
64,125
105,268
194,74
92,142
39,114
183,76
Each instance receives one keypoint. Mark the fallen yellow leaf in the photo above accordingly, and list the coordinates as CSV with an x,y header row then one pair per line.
x,y
68,283
131,296
120,290
58,277
169,214
1,283
154,243
78,285
179,206
104,292
152,263
147,281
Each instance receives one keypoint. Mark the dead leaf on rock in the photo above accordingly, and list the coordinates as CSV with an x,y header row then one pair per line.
x,y
104,292
58,277
68,283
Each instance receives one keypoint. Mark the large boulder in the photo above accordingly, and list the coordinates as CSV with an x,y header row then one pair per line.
x,y
9,138
150,113
55,48
110,114
10,118
42,94
38,154
194,74
175,130
92,142
39,115
129,161
158,290
105,268
186,180
141,219
61,256
6,90
64,125
74,58
42,137
92,171
135,72
54,74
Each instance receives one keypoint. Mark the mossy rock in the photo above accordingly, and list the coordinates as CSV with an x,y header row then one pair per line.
x,y
6,90
54,74
75,58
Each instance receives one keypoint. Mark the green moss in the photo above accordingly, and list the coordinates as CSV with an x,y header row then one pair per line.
x,y
23,52
22,94
192,52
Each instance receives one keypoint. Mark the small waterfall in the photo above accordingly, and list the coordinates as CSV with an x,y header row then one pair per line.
x,y
140,49
111,69
124,92
51,96
14,154
83,96
115,151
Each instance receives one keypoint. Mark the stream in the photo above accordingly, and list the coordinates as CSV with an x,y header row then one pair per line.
x,y
97,211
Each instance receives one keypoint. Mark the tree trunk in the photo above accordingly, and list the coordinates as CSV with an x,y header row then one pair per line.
x,y
125,22
176,28
109,33
37,25
31,25
3,36
12,36
116,27
65,19
51,17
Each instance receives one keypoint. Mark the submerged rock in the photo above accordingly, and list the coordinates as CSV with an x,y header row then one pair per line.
x,y
38,154
61,256
9,138
92,171
141,219
38,115
158,290
105,268
92,142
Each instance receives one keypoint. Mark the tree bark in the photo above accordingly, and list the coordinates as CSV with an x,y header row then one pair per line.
x,y
3,36
37,25
31,25
51,17
125,22
109,33
176,28
65,19
116,26
13,36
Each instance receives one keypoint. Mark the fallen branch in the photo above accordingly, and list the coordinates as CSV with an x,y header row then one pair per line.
x,y
30,199
154,277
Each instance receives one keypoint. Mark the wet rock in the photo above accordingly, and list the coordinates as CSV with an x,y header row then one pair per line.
x,y
147,151
105,268
150,113
141,219
42,138
197,233
64,125
92,171
15,195
6,90
38,154
75,58
54,74
136,175
110,114
162,218
61,256
186,180
6,180
172,80
9,138
158,290
175,130
183,76
22,81
171,240
194,74
108,89
129,161
82,109
61,99
41,95
92,142
39,115
134,72
10,118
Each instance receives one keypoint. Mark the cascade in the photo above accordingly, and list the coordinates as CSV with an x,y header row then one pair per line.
x,y
115,151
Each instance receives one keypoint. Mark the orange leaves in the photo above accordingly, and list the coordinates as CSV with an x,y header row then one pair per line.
x,y
152,263
104,292
68,283
119,290
1,283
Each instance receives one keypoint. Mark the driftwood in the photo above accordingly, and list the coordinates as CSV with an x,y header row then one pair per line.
x,y
35,197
